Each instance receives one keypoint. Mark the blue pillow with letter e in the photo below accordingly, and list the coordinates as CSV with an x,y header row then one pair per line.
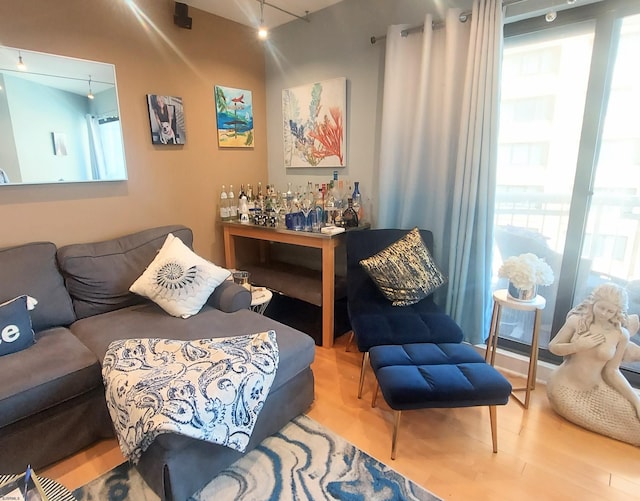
x,y
15,325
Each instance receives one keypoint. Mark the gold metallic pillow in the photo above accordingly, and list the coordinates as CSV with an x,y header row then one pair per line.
x,y
405,271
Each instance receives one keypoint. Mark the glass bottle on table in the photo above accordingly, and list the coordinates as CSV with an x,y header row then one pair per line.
x,y
233,204
289,198
224,205
357,201
350,216
260,197
250,198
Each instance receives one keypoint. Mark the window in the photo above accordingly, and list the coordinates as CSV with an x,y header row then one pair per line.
x,y
568,173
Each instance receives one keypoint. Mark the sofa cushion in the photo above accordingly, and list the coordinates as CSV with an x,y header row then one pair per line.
x,y
31,269
98,275
405,272
15,326
296,348
178,280
53,371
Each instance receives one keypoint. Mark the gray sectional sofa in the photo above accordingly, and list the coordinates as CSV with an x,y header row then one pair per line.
x,y
52,400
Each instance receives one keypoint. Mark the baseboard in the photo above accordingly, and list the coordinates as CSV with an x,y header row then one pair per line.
x,y
518,364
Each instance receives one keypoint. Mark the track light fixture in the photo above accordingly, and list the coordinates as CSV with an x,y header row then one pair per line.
x,y
263,33
21,66
262,30
90,95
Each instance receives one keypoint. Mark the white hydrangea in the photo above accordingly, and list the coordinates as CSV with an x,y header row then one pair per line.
x,y
526,270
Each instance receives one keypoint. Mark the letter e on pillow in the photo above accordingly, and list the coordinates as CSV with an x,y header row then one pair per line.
x,y
10,333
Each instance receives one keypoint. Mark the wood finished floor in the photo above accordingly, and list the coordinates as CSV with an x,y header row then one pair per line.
x,y
541,456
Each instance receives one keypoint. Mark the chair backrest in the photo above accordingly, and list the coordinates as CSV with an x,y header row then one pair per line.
x,y
365,243
373,319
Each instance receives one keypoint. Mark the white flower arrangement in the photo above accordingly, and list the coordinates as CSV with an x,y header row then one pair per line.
x,y
526,271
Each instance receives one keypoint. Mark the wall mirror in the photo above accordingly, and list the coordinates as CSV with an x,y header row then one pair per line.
x,y
59,120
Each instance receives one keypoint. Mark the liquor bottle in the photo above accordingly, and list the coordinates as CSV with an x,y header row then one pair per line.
x,y
233,204
260,197
251,199
224,205
357,201
289,198
242,193
330,207
243,209
350,216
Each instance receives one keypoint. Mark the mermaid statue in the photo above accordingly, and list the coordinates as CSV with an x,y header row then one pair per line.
x,y
588,388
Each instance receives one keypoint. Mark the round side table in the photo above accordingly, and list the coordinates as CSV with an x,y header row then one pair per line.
x,y
260,297
502,299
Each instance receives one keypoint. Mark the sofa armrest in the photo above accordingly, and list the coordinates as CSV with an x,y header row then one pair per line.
x,y
230,297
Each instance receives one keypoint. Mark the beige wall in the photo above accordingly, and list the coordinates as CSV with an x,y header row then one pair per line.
x,y
166,184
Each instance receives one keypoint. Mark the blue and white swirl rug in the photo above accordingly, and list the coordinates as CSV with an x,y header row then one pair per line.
x,y
303,461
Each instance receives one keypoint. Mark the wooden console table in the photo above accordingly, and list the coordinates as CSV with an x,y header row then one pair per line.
x,y
327,243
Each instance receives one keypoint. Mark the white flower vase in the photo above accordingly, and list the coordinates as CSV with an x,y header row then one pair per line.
x,y
522,295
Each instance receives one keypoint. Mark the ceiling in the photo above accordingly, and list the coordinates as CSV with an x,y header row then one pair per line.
x,y
247,12
60,72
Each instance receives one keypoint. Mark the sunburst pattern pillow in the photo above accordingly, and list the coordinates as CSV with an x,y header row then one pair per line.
x,y
405,272
178,280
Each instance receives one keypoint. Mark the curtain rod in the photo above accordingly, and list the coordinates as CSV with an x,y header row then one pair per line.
x,y
436,25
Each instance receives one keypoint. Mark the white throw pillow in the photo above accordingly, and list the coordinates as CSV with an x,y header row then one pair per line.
x,y
178,280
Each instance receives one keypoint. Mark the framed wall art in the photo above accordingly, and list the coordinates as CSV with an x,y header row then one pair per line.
x,y
234,116
314,124
166,119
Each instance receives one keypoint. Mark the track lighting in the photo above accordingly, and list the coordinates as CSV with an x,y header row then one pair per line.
x,y
21,66
263,33
90,95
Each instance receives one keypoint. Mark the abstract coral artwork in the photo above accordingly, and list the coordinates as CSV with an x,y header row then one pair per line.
x,y
314,124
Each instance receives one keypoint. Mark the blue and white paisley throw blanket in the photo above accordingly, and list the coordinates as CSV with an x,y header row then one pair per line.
x,y
208,389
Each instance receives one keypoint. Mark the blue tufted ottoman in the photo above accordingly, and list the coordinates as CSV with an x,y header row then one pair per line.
x,y
436,375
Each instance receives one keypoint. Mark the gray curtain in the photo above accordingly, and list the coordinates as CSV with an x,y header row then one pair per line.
x,y
438,149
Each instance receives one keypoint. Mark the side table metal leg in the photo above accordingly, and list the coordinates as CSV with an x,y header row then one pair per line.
x,y
495,335
533,359
492,332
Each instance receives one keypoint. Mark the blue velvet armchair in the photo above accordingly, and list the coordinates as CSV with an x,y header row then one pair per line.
x,y
373,319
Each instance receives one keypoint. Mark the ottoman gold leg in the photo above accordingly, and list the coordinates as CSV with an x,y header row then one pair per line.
x,y
394,440
494,427
365,361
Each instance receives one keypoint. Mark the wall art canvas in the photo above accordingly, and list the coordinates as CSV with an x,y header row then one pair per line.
x,y
314,124
166,119
234,115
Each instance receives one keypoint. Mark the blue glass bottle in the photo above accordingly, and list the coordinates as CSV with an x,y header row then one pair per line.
x,y
357,200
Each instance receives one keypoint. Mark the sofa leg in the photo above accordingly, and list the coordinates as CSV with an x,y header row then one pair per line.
x,y
394,440
350,340
365,361
494,427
